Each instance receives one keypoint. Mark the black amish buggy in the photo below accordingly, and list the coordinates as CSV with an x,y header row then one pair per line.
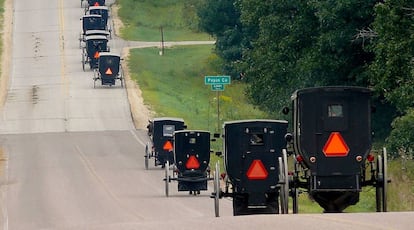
x,y
109,69
191,161
92,24
104,12
332,143
94,45
162,139
255,160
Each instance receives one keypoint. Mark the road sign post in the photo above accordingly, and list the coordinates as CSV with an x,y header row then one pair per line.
x,y
217,84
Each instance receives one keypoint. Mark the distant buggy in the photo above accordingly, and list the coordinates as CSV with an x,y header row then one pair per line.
x,y
94,45
255,160
191,161
92,24
161,131
109,69
332,143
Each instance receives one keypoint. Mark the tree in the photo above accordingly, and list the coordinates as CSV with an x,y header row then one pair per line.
x,y
221,19
302,44
392,71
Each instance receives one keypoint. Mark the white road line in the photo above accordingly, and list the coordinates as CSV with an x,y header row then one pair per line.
x,y
137,138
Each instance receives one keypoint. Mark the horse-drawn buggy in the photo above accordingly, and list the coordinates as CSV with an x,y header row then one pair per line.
x,y
92,24
109,69
191,161
161,132
332,143
104,12
94,45
255,161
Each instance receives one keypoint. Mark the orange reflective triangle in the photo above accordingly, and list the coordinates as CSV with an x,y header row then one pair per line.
x,y
96,54
108,71
192,163
335,146
168,146
96,4
257,171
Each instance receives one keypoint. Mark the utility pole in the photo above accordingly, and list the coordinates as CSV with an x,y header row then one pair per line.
x,y
162,41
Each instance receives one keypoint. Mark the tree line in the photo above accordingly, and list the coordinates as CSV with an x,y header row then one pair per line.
x,y
278,46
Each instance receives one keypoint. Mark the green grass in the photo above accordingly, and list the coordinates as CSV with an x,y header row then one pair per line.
x,y
173,84
143,20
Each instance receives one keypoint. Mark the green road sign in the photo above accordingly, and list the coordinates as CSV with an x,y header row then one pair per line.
x,y
217,80
217,87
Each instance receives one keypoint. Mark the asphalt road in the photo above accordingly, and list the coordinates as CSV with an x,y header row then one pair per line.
x,y
71,158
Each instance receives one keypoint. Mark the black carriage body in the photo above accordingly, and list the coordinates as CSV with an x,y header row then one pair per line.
x,y
251,151
92,22
192,158
95,44
109,67
96,2
332,133
100,10
163,137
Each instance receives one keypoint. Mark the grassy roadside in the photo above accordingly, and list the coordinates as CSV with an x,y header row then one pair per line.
x,y
173,85
143,19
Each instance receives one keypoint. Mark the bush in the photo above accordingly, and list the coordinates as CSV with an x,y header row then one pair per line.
x,y
400,143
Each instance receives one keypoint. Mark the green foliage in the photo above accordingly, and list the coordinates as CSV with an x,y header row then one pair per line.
x,y
401,140
222,20
392,71
302,44
143,20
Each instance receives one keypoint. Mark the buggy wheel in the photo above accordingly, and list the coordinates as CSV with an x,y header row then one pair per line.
x,y
382,180
295,191
121,75
146,157
283,181
217,190
167,177
83,61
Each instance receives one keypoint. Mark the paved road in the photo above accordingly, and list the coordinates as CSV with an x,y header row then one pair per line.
x,y
70,157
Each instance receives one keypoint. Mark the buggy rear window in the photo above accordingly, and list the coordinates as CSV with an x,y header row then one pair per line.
x,y
335,110
256,139
192,140
168,130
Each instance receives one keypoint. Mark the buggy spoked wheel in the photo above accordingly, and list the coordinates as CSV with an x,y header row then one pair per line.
x,y
146,156
121,76
83,60
167,178
284,182
382,181
295,191
217,190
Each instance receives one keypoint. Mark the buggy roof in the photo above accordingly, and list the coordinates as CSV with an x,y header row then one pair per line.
x,y
96,37
167,119
109,54
91,16
98,7
329,88
191,131
254,120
